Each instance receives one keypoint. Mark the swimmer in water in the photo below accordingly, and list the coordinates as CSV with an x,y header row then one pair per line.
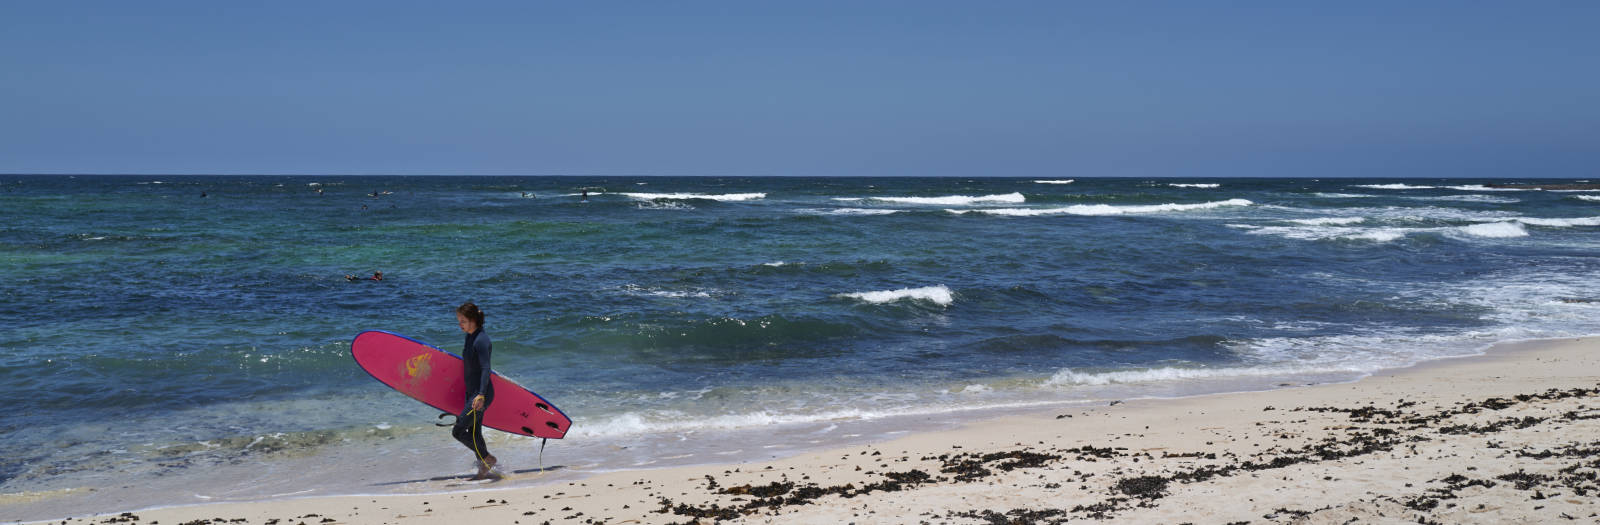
x,y
376,276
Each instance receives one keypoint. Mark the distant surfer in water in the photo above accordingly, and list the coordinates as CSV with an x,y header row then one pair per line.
x,y
480,392
376,276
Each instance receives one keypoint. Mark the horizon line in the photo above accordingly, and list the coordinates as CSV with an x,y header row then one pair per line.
x,y
156,174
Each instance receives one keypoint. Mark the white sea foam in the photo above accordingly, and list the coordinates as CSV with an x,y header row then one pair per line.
x,y
1560,223
1070,377
687,196
775,264
1181,185
1329,221
1317,233
1436,214
1394,187
1107,209
1342,195
1469,198
1067,181
861,211
1480,187
1591,198
664,205
634,289
939,295
948,200
1495,230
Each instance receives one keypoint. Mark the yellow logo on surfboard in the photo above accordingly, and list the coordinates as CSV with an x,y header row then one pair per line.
x,y
418,369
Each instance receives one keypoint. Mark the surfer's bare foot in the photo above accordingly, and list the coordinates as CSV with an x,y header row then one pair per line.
x,y
485,468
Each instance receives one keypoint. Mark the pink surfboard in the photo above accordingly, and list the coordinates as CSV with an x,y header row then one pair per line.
x,y
433,376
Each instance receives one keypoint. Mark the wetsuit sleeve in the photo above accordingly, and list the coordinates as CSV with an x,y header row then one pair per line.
x,y
484,347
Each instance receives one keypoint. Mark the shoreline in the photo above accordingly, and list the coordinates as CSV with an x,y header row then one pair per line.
x,y
1207,460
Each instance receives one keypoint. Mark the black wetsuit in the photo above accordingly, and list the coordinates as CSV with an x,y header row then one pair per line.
x,y
475,373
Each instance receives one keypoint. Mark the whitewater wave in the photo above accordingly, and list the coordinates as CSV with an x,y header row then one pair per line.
x,y
1329,221
948,200
1394,187
1480,187
1591,198
1470,198
1067,181
1070,377
939,295
1488,228
725,197
1342,195
1320,232
1495,230
1560,223
1434,214
1206,186
664,205
1107,209
861,211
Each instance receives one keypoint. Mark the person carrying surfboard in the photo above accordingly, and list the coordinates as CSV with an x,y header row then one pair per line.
x,y
480,391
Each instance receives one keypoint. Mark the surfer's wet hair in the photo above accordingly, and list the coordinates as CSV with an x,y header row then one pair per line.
x,y
471,312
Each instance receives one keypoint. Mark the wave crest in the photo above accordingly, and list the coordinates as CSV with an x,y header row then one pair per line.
x,y
939,295
1107,209
725,197
948,200
1394,187
1495,230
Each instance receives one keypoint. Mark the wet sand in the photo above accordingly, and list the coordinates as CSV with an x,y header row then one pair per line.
x,y
1509,437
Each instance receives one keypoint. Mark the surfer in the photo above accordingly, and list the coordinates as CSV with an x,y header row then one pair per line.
x,y
376,276
480,391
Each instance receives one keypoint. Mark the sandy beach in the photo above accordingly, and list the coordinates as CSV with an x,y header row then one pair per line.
x,y
1506,437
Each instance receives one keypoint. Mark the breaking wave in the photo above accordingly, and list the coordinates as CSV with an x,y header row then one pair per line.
x,y
1394,187
939,295
1070,377
949,200
725,197
1107,209
1329,221
1495,230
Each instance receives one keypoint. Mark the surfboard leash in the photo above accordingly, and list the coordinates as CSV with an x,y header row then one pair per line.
x,y
476,429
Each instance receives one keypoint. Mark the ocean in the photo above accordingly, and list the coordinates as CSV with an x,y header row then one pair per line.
x,y
174,340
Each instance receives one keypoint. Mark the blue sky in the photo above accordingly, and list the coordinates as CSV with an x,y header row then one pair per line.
x,y
1058,89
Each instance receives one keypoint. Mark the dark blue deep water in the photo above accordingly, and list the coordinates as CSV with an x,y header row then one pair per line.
x,y
155,329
